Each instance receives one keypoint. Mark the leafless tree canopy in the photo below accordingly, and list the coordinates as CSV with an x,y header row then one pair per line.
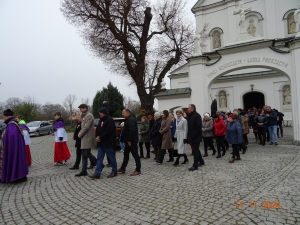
x,y
69,104
134,38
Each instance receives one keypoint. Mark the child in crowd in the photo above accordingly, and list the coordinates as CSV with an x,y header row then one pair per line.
x,y
26,135
61,150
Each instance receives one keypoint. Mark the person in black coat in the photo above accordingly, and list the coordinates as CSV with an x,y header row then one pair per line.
x,y
280,116
131,139
195,135
106,142
78,144
156,137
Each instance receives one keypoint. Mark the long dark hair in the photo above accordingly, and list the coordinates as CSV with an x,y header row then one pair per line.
x,y
166,113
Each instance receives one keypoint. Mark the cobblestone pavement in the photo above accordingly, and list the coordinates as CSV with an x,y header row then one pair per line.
x,y
162,194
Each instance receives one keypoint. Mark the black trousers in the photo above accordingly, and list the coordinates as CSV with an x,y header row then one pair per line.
x,y
262,134
245,137
147,144
133,149
197,155
220,143
279,128
236,151
86,154
162,155
208,142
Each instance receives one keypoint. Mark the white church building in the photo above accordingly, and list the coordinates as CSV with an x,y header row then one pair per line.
x,y
251,60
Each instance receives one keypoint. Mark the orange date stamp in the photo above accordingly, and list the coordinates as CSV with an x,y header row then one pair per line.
x,y
253,204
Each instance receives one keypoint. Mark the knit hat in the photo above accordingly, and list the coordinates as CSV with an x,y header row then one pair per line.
x,y
233,116
103,110
8,112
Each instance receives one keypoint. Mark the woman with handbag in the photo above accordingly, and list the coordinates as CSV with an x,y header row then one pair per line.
x,y
181,135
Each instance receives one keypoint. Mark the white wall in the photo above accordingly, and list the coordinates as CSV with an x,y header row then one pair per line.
x,y
272,11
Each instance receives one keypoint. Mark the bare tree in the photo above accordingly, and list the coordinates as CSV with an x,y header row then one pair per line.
x,y
85,101
49,109
69,104
134,40
13,102
133,105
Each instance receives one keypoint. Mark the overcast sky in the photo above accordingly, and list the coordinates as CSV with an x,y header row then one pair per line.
x,y
42,56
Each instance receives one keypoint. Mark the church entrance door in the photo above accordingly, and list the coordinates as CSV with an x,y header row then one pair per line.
x,y
253,99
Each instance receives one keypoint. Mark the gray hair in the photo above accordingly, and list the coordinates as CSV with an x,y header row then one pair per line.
x,y
157,114
179,111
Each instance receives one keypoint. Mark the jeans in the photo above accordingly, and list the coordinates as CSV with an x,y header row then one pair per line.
x,y
110,152
197,155
122,145
86,154
273,133
134,151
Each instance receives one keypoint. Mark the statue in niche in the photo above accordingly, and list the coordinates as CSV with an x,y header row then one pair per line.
x,y
242,13
251,28
216,39
197,42
223,101
287,97
297,20
291,24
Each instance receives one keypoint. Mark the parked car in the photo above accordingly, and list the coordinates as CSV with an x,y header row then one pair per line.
x,y
2,127
39,127
118,122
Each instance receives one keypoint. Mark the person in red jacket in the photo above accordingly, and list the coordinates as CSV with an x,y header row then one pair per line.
x,y
219,132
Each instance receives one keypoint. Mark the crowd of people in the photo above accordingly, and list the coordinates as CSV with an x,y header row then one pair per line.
x,y
163,133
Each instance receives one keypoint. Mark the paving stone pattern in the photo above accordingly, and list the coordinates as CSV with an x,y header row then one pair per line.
x,y
163,194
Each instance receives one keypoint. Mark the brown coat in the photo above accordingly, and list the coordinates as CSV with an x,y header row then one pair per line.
x,y
165,130
246,123
87,132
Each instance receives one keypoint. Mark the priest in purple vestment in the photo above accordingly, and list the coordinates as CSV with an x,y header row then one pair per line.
x,y
13,163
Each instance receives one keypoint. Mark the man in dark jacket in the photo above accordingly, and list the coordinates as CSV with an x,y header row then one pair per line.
x,y
131,139
195,135
272,125
106,141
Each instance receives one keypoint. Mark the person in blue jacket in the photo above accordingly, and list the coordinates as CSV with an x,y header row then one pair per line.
x,y
234,136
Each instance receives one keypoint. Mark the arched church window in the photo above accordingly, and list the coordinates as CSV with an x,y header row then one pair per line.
x,y
216,37
287,98
291,24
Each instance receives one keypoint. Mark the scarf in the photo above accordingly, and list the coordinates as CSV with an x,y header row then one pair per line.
x,y
178,120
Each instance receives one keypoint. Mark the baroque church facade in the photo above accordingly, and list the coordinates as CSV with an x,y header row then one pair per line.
x,y
245,62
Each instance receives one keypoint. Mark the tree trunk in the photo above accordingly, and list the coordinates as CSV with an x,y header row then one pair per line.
x,y
147,102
